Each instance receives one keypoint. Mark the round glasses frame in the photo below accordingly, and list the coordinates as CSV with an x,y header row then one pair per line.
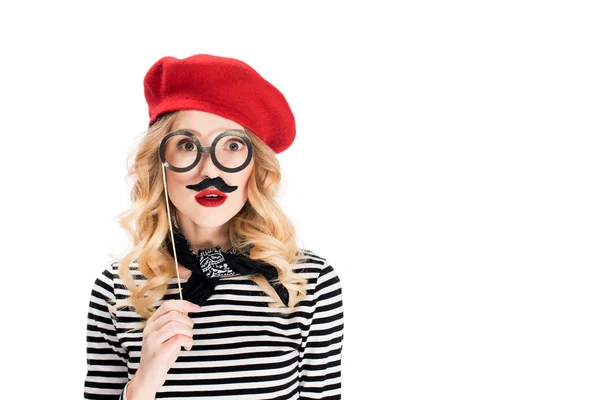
x,y
208,150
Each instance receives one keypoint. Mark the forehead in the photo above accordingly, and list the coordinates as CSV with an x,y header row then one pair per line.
x,y
203,124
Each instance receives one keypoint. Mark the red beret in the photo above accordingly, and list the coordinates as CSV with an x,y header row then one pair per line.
x,y
223,86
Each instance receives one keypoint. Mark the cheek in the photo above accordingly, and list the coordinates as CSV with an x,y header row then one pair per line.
x,y
176,186
242,191
244,183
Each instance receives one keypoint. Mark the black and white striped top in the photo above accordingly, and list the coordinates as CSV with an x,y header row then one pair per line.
x,y
243,350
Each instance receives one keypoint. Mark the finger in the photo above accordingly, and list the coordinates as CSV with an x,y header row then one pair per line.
x,y
169,305
171,329
173,315
175,343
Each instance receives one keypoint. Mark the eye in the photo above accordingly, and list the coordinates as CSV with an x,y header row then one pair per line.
x,y
187,145
234,145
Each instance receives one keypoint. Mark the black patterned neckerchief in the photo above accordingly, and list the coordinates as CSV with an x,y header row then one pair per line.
x,y
209,265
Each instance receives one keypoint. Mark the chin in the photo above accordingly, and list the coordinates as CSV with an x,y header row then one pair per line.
x,y
211,217
213,222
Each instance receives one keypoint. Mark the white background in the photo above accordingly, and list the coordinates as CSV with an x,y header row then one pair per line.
x,y
446,164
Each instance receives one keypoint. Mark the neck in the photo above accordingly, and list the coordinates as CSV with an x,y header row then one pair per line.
x,y
201,237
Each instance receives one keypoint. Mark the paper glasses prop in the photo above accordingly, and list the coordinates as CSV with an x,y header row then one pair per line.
x,y
180,151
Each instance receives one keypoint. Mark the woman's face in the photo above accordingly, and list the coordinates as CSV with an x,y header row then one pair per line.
x,y
206,127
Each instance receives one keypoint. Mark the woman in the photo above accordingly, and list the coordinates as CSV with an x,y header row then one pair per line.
x,y
215,268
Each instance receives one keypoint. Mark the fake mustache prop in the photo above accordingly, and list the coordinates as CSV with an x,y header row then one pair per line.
x,y
217,182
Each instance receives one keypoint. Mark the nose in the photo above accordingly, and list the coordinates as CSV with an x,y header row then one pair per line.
x,y
207,167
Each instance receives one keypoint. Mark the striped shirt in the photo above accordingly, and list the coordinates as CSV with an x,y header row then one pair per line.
x,y
243,349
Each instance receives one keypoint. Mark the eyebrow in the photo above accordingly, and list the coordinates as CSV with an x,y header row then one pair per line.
x,y
214,134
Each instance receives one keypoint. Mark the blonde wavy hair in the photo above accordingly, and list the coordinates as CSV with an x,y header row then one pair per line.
x,y
260,227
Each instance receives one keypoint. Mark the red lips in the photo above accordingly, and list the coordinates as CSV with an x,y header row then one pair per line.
x,y
206,192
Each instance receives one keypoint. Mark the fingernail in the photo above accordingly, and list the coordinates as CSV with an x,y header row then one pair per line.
x,y
196,307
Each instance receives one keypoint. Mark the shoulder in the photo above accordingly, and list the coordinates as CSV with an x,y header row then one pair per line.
x,y
102,296
120,289
103,286
319,272
134,270
108,284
